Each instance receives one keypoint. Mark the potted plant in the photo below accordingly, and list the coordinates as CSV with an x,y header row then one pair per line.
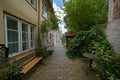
x,y
40,51
98,77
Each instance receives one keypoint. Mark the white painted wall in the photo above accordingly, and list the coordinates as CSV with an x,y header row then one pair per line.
x,y
113,29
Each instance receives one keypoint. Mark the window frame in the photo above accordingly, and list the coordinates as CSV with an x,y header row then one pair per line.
x,y
22,22
44,10
33,5
6,33
20,44
34,37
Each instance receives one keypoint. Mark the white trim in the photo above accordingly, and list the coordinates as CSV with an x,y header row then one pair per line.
x,y
6,32
5,22
13,42
20,36
14,18
33,35
34,4
44,10
12,30
19,30
29,36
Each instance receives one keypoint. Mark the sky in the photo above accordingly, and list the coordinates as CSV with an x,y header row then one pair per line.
x,y
59,3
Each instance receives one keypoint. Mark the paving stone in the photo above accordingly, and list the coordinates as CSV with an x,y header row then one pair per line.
x,y
59,67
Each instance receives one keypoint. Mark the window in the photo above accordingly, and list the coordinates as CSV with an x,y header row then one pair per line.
x,y
24,37
19,36
12,35
33,3
32,38
44,11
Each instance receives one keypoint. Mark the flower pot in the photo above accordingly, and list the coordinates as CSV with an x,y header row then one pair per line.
x,y
97,77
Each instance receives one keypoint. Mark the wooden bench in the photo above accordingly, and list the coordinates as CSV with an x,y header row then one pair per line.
x,y
27,61
31,64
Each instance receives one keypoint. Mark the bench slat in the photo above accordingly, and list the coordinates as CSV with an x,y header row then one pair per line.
x,y
26,62
28,66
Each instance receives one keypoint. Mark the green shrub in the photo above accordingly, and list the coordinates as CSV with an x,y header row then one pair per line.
x,y
10,71
81,43
5,67
95,42
15,72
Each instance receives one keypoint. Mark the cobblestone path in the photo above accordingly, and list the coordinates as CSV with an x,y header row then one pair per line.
x,y
59,67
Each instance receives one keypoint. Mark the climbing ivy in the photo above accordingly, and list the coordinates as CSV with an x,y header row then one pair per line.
x,y
83,41
49,24
95,41
44,26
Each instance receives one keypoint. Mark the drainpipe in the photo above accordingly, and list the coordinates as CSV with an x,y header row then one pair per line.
x,y
39,42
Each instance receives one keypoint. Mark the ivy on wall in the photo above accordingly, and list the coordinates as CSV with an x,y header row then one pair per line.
x,y
50,24
95,41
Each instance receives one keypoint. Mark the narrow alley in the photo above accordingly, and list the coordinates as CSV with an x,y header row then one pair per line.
x,y
86,31
59,67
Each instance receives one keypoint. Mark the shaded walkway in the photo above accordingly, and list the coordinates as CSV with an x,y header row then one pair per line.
x,y
59,67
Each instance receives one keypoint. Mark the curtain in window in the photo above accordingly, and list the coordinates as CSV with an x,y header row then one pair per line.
x,y
32,36
24,37
12,32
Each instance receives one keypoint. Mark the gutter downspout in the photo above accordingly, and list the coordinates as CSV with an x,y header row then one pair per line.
x,y
39,42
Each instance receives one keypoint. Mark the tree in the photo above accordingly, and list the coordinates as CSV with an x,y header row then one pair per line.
x,y
54,22
82,14
50,24
44,26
